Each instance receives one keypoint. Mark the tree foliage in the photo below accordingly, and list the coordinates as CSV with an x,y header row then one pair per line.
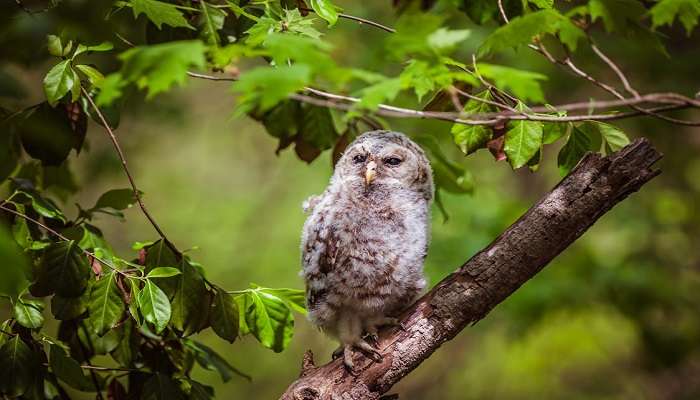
x,y
144,309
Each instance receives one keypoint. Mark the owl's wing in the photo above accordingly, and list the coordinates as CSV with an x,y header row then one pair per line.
x,y
321,254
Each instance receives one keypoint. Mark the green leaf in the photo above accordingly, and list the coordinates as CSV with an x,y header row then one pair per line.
x,y
665,11
211,20
111,89
160,13
42,205
154,306
160,255
444,40
411,36
28,314
161,387
18,367
524,84
617,15
522,29
576,146
295,298
55,46
448,174
224,316
66,268
383,91
553,131
158,67
199,391
317,127
191,300
94,76
523,140
471,138
59,81
163,272
542,3
118,199
104,46
212,361
68,369
264,87
106,306
47,134
269,320
14,266
614,138
296,23
326,10
67,308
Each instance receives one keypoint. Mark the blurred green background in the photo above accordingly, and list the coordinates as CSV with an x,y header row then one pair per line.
x,y
616,316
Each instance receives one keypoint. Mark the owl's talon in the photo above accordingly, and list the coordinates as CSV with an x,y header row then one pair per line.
x,y
347,358
370,351
337,353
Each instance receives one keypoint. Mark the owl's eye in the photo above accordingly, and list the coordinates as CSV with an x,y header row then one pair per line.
x,y
360,158
393,161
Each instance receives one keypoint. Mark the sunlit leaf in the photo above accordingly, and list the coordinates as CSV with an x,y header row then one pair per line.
x,y
159,13
470,138
154,306
106,306
326,10
60,80
211,20
523,140
269,319
686,11
28,313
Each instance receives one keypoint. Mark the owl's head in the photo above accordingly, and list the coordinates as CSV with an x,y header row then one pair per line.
x,y
385,161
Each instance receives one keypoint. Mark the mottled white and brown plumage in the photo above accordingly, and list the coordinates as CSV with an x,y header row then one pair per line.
x,y
366,238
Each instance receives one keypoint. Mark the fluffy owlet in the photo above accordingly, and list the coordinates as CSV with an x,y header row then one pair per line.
x,y
365,240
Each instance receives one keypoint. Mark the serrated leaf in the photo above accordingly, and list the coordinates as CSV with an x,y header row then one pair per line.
x,y
59,81
444,40
163,272
617,15
18,367
224,316
522,29
262,88
666,11
66,268
158,67
317,127
383,91
269,320
470,138
68,369
326,10
524,84
296,23
28,314
159,13
523,140
106,306
211,20
154,306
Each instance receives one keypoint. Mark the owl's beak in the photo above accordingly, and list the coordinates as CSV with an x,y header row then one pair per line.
x,y
370,172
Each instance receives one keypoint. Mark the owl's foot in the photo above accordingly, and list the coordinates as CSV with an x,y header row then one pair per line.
x,y
347,350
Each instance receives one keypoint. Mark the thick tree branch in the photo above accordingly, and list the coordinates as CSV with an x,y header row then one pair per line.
x,y
466,296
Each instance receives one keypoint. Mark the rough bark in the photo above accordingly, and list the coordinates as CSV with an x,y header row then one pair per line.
x,y
467,295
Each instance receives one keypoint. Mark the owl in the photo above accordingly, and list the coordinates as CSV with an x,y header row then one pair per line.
x,y
365,240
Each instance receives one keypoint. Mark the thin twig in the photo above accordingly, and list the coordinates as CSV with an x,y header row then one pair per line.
x,y
125,167
673,101
358,19
615,69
